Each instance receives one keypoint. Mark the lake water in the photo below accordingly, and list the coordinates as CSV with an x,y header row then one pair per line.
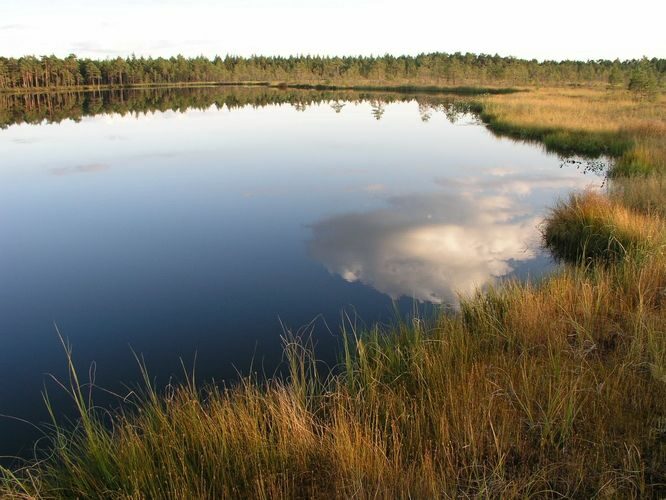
x,y
207,221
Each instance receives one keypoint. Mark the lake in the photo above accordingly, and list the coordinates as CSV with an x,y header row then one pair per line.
x,y
204,223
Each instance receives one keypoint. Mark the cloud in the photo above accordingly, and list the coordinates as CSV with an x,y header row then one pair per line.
x,y
374,188
425,246
92,47
25,140
80,169
432,246
506,181
95,48
8,27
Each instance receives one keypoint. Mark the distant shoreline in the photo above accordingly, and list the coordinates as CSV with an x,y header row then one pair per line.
x,y
458,90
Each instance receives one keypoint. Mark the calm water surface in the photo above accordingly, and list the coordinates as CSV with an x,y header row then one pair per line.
x,y
210,229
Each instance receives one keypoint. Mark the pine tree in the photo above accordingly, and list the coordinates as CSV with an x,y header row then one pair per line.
x,y
643,81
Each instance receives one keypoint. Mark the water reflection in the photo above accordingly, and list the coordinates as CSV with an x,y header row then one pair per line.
x,y
597,166
80,169
56,107
337,106
432,246
425,111
378,108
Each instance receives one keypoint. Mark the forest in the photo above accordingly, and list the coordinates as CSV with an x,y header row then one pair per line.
x,y
31,72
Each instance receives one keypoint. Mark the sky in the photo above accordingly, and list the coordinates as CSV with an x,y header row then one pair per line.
x,y
567,29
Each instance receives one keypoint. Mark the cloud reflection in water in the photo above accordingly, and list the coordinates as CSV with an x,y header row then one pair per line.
x,y
432,246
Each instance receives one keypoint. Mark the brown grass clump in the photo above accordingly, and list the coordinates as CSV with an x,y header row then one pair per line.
x,y
591,226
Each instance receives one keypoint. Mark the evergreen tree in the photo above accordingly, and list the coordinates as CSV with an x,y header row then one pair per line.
x,y
616,76
643,81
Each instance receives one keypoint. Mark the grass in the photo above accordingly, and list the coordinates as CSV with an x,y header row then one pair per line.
x,y
550,389
530,390
592,227
588,122
646,194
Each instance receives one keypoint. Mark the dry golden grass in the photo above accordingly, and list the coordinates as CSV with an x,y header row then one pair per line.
x,y
588,121
592,110
645,194
590,226
554,389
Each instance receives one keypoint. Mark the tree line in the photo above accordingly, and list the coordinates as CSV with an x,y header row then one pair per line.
x,y
31,72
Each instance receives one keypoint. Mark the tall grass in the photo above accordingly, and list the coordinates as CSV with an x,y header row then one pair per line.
x,y
588,122
646,194
550,389
546,390
590,226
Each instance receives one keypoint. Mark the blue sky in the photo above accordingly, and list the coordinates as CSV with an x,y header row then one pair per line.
x,y
543,30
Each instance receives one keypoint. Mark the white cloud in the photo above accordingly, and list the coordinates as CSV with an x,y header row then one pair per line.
x,y
79,169
433,246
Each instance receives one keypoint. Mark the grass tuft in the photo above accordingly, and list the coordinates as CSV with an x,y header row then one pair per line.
x,y
591,227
